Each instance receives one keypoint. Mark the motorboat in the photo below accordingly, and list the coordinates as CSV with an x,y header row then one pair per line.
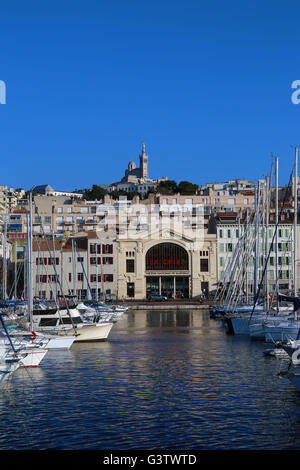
x,y
68,321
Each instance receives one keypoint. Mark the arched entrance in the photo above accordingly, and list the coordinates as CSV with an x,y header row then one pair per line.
x,y
167,271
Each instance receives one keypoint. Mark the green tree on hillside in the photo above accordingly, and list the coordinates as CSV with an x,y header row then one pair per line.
x,y
186,188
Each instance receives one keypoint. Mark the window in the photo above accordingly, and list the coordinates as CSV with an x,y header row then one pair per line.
x,y
69,210
107,249
130,265
59,210
84,210
231,201
204,264
94,277
80,276
246,201
130,289
80,259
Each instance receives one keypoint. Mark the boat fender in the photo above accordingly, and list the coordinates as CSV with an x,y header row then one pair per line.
x,y
33,336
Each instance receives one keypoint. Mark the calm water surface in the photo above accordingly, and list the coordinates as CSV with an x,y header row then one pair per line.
x,y
164,380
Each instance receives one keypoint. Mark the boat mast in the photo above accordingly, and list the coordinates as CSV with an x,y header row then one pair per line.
x,y
295,219
266,241
29,273
74,269
15,286
4,274
96,250
54,261
276,232
257,228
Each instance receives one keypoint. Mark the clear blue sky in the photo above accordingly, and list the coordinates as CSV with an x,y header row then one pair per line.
x,y
206,85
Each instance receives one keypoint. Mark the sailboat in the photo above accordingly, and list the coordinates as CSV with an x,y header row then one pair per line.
x,y
67,319
285,328
25,333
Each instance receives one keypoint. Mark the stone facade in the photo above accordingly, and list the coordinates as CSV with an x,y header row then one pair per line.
x,y
137,280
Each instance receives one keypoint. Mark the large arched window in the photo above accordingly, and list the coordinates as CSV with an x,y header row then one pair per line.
x,y
167,257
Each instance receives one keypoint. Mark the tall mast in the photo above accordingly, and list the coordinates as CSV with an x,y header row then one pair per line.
x,y
295,219
74,268
29,273
4,274
15,285
54,262
266,241
257,228
276,231
96,250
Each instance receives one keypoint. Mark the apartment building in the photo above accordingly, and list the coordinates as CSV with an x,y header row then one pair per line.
x,y
232,242
82,265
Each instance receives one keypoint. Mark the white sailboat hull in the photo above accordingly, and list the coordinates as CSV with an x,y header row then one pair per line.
x,y
94,332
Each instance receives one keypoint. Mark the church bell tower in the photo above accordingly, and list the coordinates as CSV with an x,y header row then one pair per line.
x,y
143,163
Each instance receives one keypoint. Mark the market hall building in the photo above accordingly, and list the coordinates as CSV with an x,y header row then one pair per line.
x,y
176,267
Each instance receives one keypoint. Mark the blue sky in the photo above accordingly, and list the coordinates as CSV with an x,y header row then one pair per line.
x,y
206,85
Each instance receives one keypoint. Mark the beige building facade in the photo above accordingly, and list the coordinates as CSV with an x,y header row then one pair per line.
x,y
175,266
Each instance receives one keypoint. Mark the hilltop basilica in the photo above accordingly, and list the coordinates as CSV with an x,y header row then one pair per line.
x,y
136,179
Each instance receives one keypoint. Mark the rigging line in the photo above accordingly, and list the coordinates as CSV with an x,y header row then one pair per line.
x,y
85,275
273,238
54,267
18,278
248,230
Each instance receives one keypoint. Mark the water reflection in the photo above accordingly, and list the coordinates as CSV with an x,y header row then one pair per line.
x,y
164,380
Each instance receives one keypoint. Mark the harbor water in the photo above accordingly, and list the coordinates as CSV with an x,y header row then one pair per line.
x,y
163,380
